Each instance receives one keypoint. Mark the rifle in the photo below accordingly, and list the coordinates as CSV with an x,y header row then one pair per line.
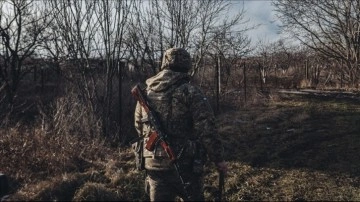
x,y
157,136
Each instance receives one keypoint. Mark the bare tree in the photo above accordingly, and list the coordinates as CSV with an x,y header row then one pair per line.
x,y
113,16
145,38
226,48
73,34
21,25
89,36
330,27
180,20
213,22
158,25
265,60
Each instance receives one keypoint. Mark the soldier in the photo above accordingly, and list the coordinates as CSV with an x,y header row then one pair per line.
x,y
189,123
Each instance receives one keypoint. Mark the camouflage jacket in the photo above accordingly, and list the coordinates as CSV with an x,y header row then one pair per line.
x,y
184,113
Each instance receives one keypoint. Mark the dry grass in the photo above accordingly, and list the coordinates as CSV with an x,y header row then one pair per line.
x,y
292,149
63,157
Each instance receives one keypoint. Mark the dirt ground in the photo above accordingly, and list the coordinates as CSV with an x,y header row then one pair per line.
x,y
296,147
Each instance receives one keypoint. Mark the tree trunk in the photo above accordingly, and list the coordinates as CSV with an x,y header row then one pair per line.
x,y
245,83
217,80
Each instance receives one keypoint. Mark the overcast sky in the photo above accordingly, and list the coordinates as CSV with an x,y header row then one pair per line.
x,y
259,12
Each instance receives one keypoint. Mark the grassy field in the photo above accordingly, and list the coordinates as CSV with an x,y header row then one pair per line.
x,y
294,147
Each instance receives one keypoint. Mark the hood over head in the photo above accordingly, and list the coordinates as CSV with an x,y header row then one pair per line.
x,y
176,59
165,79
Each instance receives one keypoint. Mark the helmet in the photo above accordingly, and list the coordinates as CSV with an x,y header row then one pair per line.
x,y
176,59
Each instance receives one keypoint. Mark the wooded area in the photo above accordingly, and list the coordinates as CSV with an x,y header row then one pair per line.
x,y
86,55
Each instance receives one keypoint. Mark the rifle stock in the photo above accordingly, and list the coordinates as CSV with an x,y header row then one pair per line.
x,y
137,94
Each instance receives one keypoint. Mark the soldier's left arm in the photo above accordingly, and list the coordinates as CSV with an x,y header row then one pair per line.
x,y
205,126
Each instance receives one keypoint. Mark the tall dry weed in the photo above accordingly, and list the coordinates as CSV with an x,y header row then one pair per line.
x,y
73,117
64,139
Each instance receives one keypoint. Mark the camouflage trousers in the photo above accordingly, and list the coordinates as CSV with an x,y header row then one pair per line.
x,y
166,186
